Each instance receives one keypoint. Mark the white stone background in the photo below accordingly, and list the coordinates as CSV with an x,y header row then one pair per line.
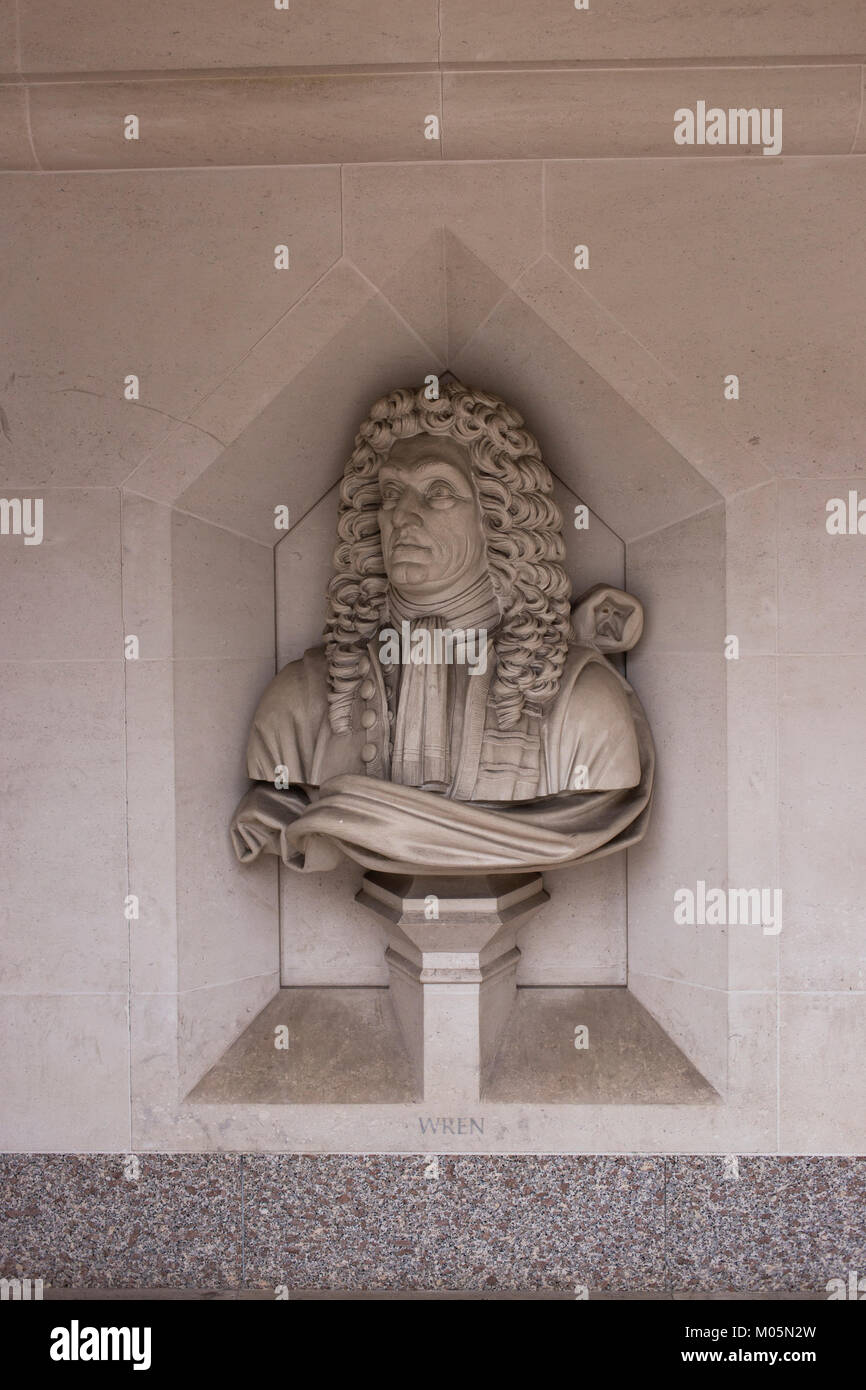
x,y
409,257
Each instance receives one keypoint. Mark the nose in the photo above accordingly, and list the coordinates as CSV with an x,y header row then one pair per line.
x,y
408,509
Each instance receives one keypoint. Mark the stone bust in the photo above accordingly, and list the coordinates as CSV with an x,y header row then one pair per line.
x,y
459,717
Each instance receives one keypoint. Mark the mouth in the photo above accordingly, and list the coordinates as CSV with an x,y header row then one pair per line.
x,y
406,548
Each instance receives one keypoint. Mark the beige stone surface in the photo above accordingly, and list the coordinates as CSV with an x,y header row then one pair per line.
x,y
683,695
188,123
173,464
60,36
63,875
71,1052
151,829
678,575
210,1018
227,920
821,606
595,555
822,1101
16,151
695,271
153,1071
291,345
628,1058
63,596
295,450
94,297
697,430
150,767
362,116
452,979
10,60
751,544
747,1128
303,569
589,436
822,772
753,813
222,594
705,267
493,209
147,575
343,1047
694,1016
753,1057
539,29
417,290
579,937
585,114
326,937
471,292
743,1124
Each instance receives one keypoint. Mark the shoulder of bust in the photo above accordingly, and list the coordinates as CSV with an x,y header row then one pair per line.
x,y
593,723
298,678
580,658
288,719
587,670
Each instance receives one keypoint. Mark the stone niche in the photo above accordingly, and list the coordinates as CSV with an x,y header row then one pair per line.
x,y
223,598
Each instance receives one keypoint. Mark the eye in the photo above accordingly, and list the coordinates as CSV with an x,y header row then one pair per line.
x,y
390,495
439,491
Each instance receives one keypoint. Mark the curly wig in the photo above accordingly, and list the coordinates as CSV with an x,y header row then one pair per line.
x,y
523,530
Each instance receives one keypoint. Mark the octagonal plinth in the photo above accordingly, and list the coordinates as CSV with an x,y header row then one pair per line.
x,y
452,962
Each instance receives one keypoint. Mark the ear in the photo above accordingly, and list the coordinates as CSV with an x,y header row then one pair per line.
x,y
608,619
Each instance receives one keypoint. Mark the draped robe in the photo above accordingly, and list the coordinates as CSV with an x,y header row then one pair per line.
x,y
575,784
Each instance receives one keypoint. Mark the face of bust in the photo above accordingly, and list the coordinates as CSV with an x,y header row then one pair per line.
x,y
429,518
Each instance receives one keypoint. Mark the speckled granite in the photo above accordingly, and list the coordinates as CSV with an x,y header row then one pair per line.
x,y
783,1224
75,1219
342,1222
483,1223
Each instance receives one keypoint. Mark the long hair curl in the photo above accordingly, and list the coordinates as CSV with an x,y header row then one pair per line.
x,y
523,531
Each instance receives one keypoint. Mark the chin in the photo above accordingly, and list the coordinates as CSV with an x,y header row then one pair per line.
x,y
405,574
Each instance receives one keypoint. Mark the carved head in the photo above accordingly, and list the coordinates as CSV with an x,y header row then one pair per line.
x,y
435,493
430,519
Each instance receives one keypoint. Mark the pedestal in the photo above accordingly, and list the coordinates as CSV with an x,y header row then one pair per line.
x,y
452,961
